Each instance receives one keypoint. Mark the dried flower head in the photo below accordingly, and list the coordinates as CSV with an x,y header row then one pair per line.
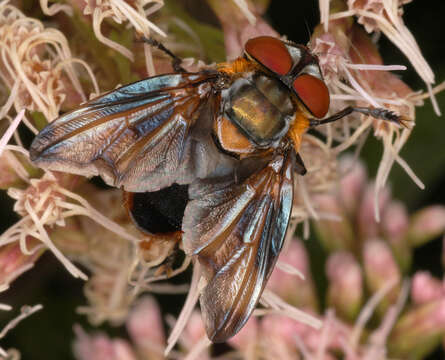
x,y
36,64
134,13
347,53
386,16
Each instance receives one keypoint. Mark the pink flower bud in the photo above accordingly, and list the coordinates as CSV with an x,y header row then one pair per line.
x,y
395,220
368,227
145,328
192,334
337,28
247,337
278,336
291,287
425,288
427,224
352,183
123,350
194,330
380,269
395,224
101,347
13,262
331,54
334,234
345,291
418,331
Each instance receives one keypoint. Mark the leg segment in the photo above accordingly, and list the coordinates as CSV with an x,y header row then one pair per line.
x,y
377,113
299,165
176,61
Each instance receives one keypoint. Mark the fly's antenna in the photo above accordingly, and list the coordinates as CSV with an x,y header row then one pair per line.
x,y
308,32
176,61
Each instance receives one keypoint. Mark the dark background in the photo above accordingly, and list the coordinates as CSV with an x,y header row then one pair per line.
x,y
48,334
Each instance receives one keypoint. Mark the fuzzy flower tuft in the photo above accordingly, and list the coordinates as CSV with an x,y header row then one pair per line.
x,y
386,16
36,65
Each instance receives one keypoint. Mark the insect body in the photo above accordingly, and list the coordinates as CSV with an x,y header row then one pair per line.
x,y
209,156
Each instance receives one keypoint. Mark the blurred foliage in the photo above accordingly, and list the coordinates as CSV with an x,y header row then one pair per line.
x,y
210,36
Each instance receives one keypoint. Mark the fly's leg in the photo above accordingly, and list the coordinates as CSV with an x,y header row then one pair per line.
x,y
377,113
299,165
176,61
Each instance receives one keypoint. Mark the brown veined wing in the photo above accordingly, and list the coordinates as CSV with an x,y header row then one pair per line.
x,y
142,137
237,231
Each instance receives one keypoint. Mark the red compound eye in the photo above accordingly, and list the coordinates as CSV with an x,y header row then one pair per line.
x,y
314,93
271,53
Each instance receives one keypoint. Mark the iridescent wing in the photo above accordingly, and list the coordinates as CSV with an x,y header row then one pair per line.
x,y
236,230
142,137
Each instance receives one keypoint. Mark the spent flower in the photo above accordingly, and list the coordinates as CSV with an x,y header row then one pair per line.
x,y
33,58
386,16
348,53
134,13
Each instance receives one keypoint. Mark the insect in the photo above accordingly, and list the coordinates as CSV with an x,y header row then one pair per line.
x,y
209,157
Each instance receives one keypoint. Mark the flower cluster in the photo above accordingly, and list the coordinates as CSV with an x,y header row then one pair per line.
x,y
367,258
36,65
367,237
365,297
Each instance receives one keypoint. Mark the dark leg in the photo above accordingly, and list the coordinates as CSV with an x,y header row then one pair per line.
x,y
300,168
176,61
377,113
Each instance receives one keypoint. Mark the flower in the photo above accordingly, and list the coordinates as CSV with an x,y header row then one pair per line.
x,y
426,288
297,290
32,63
345,289
144,325
100,347
427,224
386,16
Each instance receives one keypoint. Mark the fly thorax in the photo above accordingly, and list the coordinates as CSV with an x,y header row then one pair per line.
x,y
261,107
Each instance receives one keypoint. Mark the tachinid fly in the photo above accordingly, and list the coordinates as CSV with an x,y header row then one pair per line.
x,y
208,158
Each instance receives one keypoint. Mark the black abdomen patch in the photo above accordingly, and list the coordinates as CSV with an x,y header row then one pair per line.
x,y
159,211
